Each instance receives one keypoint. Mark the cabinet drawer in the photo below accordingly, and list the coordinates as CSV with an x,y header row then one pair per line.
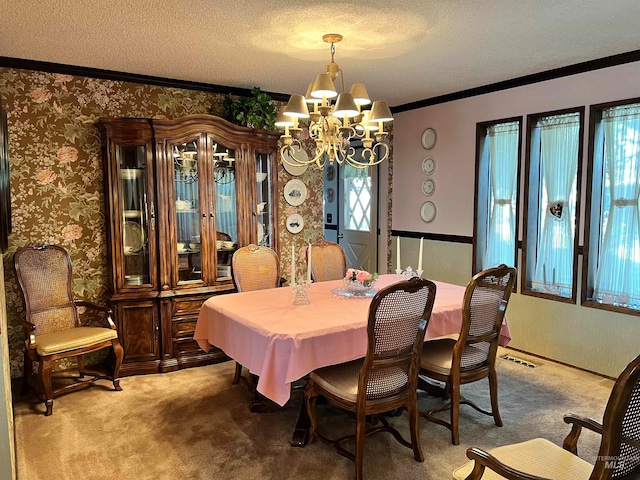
x,y
183,328
185,346
187,306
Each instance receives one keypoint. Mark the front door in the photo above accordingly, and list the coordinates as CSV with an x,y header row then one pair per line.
x,y
358,216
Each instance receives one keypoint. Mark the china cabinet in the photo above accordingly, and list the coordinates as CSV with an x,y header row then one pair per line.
x,y
181,196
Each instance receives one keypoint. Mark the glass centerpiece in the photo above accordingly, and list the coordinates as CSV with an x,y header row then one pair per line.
x,y
359,282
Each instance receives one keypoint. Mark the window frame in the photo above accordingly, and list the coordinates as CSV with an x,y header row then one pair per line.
x,y
590,259
481,194
532,220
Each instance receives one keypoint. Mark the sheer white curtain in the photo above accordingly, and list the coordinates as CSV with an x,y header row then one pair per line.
x,y
503,164
618,272
226,214
559,139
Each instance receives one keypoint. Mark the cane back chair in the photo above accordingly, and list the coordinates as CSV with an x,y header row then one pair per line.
x,y
471,356
52,323
328,261
385,379
254,268
618,457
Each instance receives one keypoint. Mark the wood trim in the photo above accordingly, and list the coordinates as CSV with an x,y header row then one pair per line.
x,y
588,66
51,67
439,237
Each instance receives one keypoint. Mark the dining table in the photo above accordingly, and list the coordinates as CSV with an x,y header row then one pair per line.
x,y
280,342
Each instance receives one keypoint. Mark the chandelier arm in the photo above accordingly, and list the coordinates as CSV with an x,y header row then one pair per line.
x,y
290,151
371,157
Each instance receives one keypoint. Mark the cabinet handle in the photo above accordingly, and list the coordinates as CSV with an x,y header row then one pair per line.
x,y
211,212
153,217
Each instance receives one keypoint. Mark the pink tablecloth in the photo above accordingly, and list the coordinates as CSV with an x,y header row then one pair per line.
x,y
280,342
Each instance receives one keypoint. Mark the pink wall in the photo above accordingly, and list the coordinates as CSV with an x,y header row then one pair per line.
x,y
455,124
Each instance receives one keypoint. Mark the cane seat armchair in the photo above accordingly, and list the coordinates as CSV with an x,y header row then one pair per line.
x,y
538,459
385,379
52,323
471,355
254,268
328,261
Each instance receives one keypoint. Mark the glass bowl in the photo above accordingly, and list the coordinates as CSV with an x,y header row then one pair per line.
x,y
357,288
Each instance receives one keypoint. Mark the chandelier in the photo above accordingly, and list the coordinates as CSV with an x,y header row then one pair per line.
x,y
335,127
185,159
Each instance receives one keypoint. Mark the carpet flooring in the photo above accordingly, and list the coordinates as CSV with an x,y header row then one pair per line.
x,y
193,424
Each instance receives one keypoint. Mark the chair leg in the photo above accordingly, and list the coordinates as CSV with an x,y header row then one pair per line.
x,y
237,374
412,410
27,372
310,400
119,353
45,376
80,362
455,412
360,435
493,391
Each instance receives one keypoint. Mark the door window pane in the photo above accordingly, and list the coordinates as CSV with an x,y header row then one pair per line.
x,y
135,212
224,177
357,195
186,173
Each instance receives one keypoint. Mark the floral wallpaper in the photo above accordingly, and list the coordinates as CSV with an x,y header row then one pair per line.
x,y
56,173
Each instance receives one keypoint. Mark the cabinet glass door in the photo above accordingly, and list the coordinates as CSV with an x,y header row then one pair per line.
x,y
263,209
186,175
224,177
132,174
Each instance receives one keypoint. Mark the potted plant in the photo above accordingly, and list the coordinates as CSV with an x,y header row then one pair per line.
x,y
255,111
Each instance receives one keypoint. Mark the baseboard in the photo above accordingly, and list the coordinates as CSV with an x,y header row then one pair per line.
x,y
560,363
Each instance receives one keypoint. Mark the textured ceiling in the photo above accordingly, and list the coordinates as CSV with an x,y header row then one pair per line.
x,y
403,50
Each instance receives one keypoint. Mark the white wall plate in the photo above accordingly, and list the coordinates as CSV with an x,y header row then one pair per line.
x,y
428,187
295,223
428,165
295,170
295,192
428,211
429,138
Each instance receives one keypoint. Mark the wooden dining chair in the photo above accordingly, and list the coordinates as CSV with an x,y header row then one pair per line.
x,y
52,325
385,379
254,268
328,261
539,459
471,356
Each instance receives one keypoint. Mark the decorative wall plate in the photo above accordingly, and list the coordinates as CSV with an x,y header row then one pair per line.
x,y
295,192
298,154
331,195
428,211
295,223
428,187
429,165
429,138
331,173
133,237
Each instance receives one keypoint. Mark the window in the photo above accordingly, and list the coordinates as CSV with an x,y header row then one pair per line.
x,y
497,173
612,264
553,169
